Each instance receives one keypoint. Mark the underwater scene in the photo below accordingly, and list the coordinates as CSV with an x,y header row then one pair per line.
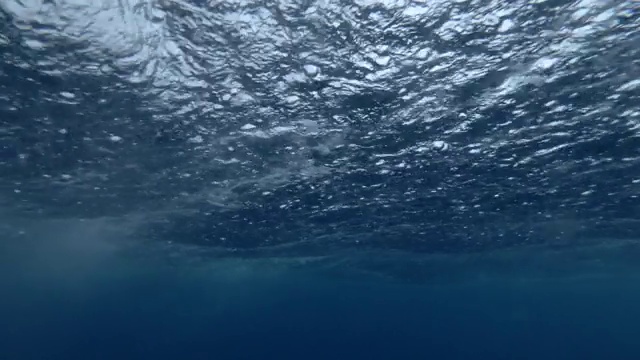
x,y
319,179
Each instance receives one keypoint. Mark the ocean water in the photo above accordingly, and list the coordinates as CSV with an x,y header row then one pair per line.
x,y
106,305
447,179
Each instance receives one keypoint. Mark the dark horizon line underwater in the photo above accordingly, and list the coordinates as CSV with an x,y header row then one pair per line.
x,y
322,179
79,295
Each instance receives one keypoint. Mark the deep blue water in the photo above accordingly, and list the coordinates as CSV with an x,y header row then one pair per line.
x,y
330,179
106,305
158,314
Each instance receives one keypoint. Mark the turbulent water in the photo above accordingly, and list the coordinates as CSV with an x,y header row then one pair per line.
x,y
435,141
421,126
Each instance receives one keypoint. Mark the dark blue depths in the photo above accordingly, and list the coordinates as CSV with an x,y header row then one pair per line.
x,y
162,315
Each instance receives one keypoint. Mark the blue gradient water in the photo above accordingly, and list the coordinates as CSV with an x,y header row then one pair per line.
x,y
164,313
448,179
89,301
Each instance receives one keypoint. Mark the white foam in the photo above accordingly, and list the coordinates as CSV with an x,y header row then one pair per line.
x,y
545,63
292,99
440,145
311,69
506,25
631,85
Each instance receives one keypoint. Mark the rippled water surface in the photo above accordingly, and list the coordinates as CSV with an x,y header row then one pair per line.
x,y
424,126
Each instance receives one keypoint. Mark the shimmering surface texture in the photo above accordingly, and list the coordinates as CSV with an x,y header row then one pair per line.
x,y
415,125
